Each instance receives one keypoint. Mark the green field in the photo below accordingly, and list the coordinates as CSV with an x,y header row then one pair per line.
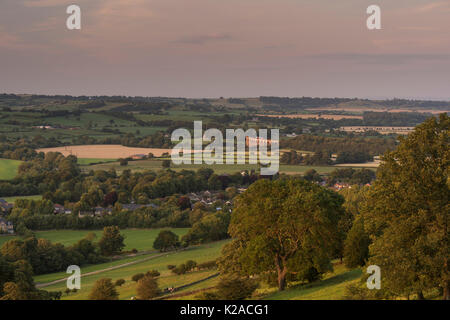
x,y
200,254
140,239
9,168
89,161
143,165
331,287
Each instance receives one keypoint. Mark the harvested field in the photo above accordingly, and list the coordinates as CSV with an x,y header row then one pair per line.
x,y
374,164
312,116
104,151
362,109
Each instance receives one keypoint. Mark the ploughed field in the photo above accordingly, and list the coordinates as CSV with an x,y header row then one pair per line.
x,y
104,151
312,116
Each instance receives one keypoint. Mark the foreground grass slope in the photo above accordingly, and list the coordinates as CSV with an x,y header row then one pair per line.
x,y
331,287
200,254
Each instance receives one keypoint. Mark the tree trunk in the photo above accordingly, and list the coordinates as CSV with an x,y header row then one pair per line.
x,y
446,295
282,271
282,280
420,296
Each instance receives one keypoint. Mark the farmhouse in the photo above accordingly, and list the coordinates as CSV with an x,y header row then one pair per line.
x,y
6,226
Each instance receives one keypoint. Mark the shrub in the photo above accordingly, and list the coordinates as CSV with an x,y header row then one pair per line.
x,y
153,273
137,277
119,282
103,289
233,287
147,288
207,265
190,265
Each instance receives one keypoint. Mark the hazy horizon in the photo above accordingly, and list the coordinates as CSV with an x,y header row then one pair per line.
x,y
212,49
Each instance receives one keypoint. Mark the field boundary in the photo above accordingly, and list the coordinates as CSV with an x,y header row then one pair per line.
x,y
189,285
43,285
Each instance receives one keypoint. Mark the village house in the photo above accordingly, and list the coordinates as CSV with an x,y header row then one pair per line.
x,y
134,206
340,186
59,209
5,207
100,211
6,226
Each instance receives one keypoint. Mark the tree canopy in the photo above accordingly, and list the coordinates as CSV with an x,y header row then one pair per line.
x,y
284,227
407,213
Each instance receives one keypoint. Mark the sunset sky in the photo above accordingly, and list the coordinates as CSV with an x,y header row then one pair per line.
x,y
230,48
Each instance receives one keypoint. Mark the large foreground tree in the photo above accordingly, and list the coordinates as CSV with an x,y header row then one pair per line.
x,y
407,213
287,228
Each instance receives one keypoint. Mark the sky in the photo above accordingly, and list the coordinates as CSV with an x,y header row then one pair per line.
x,y
227,48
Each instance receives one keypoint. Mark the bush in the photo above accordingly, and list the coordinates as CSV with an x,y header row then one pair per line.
x,y
119,282
190,265
181,269
166,240
147,288
233,287
103,289
208,265
137,277
153,273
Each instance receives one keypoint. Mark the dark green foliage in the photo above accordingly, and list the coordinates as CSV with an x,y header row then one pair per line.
x,y
153,273
356,247
103,289
284,226
119,282
111,242
166,240
407,213
211,227
137,277
235,288
147,288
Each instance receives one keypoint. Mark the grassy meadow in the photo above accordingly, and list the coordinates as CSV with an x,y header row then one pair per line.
x,y
9,168
144,165
331,287
140,239
202,253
